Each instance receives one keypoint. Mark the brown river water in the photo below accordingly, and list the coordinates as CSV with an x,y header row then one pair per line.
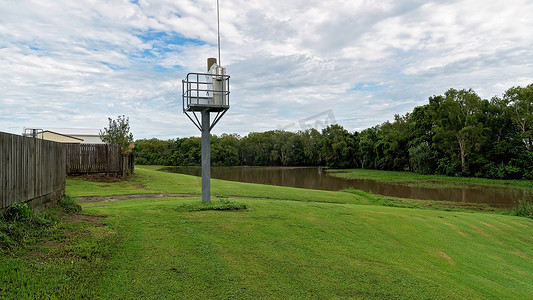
x,y
317,178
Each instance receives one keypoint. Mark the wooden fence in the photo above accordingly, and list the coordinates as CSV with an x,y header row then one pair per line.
x,y
98,158
31,170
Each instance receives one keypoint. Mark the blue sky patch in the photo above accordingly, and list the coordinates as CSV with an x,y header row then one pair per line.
x,y
112,66
368,87
161,69
35,48
163,42
166,38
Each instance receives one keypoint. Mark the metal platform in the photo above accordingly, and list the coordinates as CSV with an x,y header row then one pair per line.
x,y
206,107
205,92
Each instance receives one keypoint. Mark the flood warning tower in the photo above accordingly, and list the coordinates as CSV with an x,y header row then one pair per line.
x,y
206,93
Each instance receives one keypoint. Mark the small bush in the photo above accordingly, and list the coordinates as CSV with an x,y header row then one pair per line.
x,y
20,226
18,212
524,208
68,205
222,204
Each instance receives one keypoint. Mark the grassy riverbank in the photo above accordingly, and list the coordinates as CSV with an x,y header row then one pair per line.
x,y
414,179
150,181
316,244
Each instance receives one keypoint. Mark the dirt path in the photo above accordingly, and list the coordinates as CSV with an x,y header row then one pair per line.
x,y
91,199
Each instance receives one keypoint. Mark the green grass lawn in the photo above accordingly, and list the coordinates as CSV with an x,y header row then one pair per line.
x,y
291,249
328,245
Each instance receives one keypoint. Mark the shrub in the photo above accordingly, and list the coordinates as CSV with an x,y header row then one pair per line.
x,y
524,208
68,205
18,211
20,225
222,204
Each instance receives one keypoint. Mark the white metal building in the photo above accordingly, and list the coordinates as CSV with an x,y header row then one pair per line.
x,y
66,135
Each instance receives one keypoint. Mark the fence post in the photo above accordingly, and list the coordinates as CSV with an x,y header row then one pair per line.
x,y
122,164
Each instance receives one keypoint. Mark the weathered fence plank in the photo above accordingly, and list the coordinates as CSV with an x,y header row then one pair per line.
x,y
31,170
97,158
34,170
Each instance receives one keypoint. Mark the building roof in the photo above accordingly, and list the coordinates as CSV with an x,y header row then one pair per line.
x,y
69,136
86,135
76,131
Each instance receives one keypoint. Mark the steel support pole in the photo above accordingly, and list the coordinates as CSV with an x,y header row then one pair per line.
x,y
206,158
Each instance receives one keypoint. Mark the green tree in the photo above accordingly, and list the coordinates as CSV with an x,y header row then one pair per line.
x,y
338,147
502,144
118,133
458,127
367,155
420,157
293,151
311,148
521,101
422,153
189,151
391,147
225,150
153,152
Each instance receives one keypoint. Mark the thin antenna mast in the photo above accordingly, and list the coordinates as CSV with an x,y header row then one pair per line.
x,y
218,33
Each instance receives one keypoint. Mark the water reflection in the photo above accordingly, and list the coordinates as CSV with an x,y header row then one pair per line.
x,y
317,178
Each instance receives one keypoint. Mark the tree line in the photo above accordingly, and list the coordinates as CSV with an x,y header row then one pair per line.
x,y
456,134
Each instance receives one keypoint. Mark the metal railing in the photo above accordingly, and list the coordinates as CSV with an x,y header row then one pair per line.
x,y
205,90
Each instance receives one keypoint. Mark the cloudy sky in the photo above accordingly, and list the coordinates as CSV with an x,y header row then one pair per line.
x,y
293,63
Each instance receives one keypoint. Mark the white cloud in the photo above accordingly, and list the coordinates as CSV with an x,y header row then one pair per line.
x,y
75,63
